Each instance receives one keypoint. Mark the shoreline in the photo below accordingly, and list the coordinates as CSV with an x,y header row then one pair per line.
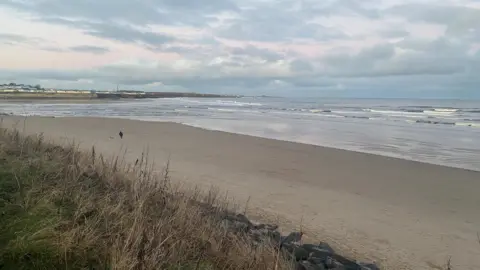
x,y
404,214
385,155
304,143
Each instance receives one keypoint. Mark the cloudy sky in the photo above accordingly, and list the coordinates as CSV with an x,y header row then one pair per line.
x,y
349,48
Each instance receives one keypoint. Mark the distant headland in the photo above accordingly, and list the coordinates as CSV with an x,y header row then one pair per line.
x,y
25,91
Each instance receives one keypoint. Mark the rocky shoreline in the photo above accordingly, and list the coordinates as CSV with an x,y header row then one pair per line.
x,y
319,256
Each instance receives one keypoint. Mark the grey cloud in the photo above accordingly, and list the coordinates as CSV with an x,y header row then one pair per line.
x,y
79,49
89,49
105,10
301,66
125,77
253,51
137,12
460,20
424,62
277,21
204,6
127,34
362,8
437,13
233,56
312,82
61,75
212,83
438,57
288,19
115,31
52,49
344,63
393,33
12,39
195,52
268,21
181,49
441,47
265,29
378,52
423,58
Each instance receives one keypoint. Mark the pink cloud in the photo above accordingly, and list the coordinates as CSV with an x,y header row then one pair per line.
x,y
22,57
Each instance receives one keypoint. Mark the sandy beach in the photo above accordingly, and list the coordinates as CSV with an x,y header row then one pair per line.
x,y
403,214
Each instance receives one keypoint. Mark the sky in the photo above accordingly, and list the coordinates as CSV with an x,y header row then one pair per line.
x,y
338,48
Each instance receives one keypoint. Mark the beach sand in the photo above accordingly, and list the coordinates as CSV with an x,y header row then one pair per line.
x,y
403,214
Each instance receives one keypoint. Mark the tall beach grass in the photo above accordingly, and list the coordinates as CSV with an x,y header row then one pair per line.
x,y
61,208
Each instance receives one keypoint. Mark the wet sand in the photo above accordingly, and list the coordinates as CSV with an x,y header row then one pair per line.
x,y
404,214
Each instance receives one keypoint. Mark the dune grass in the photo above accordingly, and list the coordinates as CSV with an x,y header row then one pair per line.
x,y
61,208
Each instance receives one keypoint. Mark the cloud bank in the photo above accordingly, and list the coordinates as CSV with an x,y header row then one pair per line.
x,y
368,48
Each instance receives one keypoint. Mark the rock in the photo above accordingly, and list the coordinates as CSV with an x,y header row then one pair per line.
x,y
293,237
244,219
319,256
234,226
326,247
331,263
307,265
238,218
316,249
270,227
265,234
368,266
335,261
296,252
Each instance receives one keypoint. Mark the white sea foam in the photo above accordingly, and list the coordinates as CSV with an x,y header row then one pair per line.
x,y
475,125
446,110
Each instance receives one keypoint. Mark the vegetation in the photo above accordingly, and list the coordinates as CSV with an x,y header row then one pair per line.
x,y
65,209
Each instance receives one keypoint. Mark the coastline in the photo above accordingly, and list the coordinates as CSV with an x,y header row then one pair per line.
x,y
366,152
386,155
120,95
362,127
404,213
58,100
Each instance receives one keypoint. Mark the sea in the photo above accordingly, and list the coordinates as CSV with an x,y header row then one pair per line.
x,y
444,132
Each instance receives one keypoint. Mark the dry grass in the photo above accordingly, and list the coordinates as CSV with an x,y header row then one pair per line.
x,y
65,209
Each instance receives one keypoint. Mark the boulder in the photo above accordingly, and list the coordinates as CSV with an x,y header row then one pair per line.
x,y
307,265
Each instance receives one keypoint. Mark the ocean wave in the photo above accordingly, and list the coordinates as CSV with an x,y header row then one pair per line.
x,y
411,114
445,109
472,119
413,110
222,109
237,103
219,102
390,111
422,121
471,110
419,106
440,113
320,111
329,115
356,116
468,124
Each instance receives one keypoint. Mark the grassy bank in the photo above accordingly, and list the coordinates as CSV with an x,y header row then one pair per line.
x,y
65,209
